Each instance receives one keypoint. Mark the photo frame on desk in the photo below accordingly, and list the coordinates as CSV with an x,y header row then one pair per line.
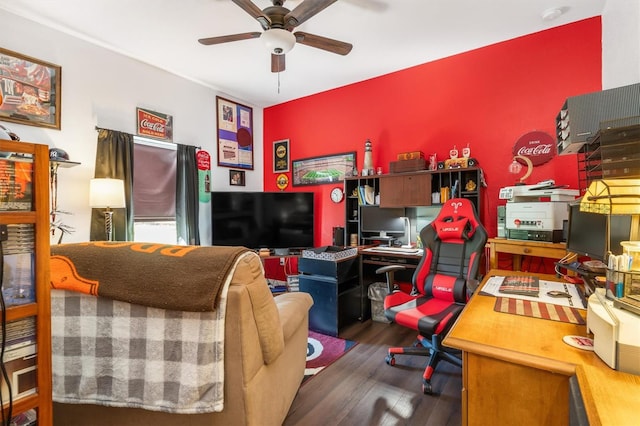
x,y
30,90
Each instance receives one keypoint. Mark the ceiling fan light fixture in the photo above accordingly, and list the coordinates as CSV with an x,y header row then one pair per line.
x,y
278,41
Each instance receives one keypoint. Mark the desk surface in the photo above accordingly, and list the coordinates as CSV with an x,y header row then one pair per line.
x,y
610,397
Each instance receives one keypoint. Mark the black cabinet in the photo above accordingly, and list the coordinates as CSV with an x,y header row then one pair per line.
x,y
338,299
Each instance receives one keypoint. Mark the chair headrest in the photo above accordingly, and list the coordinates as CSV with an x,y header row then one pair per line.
x,y
457,220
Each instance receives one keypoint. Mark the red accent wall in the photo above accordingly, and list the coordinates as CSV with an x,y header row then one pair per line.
x,y
486,98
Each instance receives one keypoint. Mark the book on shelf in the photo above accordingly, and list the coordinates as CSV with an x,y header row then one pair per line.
x,y
521,285
366,195
16,184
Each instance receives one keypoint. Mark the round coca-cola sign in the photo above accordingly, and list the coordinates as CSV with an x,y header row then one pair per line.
x,y
538,146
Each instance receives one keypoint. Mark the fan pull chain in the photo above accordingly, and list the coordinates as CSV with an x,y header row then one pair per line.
x,y
278,81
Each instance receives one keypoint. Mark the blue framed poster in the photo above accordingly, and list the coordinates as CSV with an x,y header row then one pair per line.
x,y
235,134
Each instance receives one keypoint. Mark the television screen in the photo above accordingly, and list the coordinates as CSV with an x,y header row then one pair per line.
x,y
587,234
263,219
382,220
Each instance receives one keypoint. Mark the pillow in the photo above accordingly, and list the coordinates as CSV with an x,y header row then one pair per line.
x,y
452,229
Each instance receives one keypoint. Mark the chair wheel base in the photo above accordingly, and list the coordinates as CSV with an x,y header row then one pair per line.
x,y
427,389
390,359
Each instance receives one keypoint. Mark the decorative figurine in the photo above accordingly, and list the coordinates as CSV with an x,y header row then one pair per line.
x,y
367,169
433,161
453,153
466,151
470,186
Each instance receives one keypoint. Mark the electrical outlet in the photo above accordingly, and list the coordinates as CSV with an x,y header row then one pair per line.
x,y
282,261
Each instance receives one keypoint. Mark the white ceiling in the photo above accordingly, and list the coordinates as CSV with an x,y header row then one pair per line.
x,y
387,35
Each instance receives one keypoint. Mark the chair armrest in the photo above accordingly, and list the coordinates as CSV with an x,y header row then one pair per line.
x,y
389,268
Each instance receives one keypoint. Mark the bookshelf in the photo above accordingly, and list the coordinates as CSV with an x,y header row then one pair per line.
x,y
24,231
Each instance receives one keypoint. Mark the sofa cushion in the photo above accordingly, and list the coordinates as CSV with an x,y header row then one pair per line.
x,y
249,273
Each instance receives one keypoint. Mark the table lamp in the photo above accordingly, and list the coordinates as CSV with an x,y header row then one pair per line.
x,y
105,193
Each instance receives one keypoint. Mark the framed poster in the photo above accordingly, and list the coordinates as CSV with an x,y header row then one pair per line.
x,y
327,169
281,156
30,90
235,134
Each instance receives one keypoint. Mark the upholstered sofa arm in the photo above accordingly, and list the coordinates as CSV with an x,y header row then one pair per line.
x,y
293,309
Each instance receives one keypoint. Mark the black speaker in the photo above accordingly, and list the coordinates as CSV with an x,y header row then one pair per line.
x,y
440,165
338,236
472,162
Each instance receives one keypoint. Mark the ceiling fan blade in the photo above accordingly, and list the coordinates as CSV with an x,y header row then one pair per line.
x,y
277,63
304,11
253,10
324,43
225,39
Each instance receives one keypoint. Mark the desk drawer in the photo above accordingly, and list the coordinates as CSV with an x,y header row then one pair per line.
x,y
551,252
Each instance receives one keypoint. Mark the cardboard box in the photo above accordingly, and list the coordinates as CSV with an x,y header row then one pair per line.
x,y
410,155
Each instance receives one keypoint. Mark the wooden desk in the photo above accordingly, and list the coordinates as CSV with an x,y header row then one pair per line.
x,y
519,248
516,370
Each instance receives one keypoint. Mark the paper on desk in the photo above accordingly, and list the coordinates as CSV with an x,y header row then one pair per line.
x,y
492,288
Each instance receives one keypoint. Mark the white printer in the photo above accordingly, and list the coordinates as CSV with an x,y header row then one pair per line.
x,y
527,217
616,339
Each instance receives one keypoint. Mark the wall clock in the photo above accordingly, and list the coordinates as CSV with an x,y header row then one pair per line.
x,y
337,195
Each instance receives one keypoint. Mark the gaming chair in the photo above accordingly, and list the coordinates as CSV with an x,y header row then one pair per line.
x,y
453,245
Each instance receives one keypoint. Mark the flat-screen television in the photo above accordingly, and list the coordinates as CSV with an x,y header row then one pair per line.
x,y
587,233
274,220
382,220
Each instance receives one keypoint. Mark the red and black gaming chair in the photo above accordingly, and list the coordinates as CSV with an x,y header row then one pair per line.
x,y
453,246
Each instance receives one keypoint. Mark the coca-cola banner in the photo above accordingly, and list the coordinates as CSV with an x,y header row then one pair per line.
x,y
538,146
154,124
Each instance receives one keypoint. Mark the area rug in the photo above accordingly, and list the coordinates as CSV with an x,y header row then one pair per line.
x,y
322,351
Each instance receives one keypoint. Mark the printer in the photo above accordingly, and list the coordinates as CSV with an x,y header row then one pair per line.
x,y
527,217
615,333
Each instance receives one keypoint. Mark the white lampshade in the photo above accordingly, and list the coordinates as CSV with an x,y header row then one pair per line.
x,y
278,41
106,192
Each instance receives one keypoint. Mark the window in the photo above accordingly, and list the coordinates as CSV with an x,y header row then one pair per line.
x,y
154,191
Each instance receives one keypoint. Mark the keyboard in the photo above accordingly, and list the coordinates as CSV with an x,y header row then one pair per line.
x,y
387,249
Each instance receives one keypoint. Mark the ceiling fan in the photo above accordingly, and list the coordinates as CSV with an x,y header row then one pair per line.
x,y
278,23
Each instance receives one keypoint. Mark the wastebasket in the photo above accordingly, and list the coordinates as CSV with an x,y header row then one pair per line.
x,y
377,292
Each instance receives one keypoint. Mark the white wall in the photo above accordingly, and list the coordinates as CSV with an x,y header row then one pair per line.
x,y
620,43
103,88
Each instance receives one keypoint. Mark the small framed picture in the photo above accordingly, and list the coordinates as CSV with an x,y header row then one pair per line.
x,y
281,156
236,178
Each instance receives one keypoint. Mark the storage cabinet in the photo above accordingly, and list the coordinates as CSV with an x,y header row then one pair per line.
x,y
405,190
353,201
24,222
338,299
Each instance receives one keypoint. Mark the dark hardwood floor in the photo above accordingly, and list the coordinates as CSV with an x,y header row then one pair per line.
x,y
361,389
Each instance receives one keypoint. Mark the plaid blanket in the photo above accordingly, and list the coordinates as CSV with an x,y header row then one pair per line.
x,y
113,353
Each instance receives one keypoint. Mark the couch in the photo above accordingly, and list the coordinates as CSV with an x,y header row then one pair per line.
x,y
265,341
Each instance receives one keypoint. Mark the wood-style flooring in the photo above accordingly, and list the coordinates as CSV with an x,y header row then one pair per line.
x,y
361,389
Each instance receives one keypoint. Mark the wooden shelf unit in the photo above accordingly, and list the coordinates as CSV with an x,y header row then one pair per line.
x,y
410,189
38,216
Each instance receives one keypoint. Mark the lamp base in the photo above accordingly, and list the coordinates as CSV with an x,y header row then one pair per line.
x,y
108,225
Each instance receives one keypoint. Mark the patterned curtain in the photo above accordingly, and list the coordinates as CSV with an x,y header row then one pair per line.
x,y
114,159
187,204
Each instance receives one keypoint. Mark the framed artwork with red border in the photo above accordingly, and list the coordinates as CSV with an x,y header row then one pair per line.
x,y
29,90
235,134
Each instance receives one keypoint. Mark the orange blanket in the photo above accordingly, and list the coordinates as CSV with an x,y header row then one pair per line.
x,y
183,278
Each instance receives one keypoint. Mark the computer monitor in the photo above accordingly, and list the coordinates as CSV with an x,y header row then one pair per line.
x,y
587,234
382,220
